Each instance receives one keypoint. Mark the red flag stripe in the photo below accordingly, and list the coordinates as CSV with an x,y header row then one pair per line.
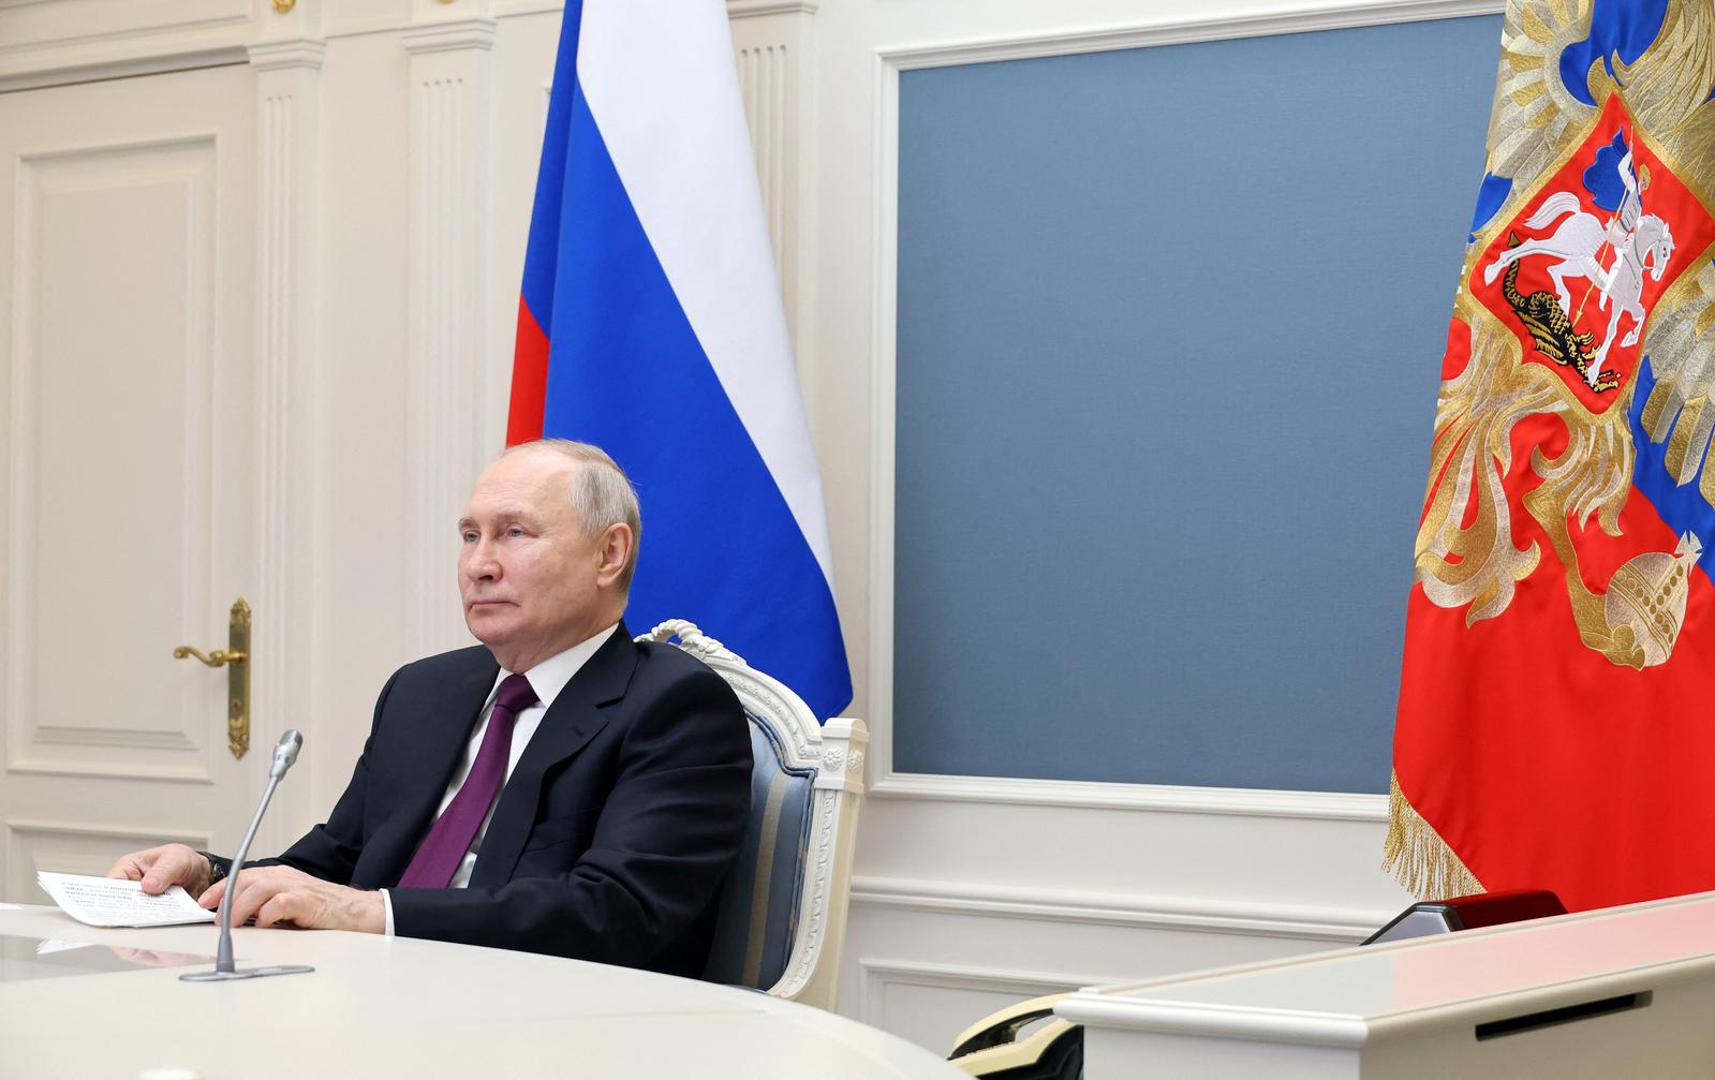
x,y
529,380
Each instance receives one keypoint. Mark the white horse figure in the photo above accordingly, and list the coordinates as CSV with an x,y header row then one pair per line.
x,y
1576,244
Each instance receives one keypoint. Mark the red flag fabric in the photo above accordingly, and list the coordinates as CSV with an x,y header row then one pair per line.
x,y
1554,726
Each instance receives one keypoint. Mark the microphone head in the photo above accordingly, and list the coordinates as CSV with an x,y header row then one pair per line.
x,y
286,751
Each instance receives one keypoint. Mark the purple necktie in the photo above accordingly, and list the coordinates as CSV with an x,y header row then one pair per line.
x,y
444,848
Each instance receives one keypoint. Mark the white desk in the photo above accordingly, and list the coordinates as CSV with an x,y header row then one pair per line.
x,y
383,1007
1428,1008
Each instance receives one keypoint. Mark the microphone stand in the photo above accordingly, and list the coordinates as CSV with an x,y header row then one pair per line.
x,y
285,753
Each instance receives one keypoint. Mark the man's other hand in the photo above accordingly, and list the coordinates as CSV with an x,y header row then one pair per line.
x,y
282,896
160,868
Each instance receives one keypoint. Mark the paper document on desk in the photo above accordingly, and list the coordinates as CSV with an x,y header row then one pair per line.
x,y
98,901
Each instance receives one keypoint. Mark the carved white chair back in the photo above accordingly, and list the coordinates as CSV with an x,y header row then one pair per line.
x,y
831,753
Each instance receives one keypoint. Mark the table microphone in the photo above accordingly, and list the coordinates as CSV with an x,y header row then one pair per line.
x,y
285,753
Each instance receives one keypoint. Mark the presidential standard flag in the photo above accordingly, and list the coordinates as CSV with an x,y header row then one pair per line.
x,y
1556,724
651,325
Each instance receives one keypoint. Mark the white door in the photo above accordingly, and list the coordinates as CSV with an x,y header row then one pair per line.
x,y
126,240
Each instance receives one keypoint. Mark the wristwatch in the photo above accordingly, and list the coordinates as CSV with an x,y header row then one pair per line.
x,y
217,867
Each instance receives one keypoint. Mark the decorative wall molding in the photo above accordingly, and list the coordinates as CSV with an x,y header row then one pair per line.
x,y
1114,880
750,9
108,20
188,160
1085,907
68,70
301,53
113,738
452,35
448,213
1170,24
340,24
881,974
1162,798
963,977
884,372
956,871
76,848
1167,26
147,773
165,834
288,178
763,74
57,44
770,45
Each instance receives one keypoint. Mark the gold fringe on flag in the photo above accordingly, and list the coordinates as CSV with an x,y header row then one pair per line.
x,y
1417,856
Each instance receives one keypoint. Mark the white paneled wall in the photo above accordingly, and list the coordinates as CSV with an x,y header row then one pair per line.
x,y
447,337
395,157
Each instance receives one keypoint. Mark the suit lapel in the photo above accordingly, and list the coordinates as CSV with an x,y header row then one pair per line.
x,y
442,732
578,713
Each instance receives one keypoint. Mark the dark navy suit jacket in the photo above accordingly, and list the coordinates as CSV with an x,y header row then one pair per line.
x,y
610,839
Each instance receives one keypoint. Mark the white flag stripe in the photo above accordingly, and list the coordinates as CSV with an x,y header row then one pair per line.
x,y
661,83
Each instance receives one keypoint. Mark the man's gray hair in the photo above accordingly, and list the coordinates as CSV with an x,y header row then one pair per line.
x,y
601,494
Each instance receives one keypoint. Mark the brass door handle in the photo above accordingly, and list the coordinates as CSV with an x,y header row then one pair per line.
x,y
235,658
214,659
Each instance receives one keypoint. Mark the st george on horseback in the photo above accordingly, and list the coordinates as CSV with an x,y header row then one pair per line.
x,y
1639,242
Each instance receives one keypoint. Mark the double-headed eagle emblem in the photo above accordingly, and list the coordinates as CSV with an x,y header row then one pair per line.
x,y
1581,338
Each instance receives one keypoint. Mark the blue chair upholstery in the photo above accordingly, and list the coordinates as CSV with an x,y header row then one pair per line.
x,y
759,903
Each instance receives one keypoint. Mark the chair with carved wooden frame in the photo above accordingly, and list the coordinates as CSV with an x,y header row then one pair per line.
x,y
782,918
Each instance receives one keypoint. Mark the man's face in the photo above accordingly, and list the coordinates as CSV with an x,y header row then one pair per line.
x,y
529,577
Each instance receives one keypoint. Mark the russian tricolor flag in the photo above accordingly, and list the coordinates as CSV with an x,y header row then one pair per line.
x,y
651,325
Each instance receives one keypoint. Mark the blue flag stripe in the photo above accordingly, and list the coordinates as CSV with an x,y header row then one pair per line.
x,y
626,371
545,225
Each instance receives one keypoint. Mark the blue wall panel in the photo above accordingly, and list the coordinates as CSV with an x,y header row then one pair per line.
x,y
1170,323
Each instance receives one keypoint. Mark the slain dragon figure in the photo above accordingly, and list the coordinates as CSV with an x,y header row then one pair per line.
x,y
1551,328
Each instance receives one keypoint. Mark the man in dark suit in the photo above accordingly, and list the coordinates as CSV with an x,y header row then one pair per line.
x,y
558,789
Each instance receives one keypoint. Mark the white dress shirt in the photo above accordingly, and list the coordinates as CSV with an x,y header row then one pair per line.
x,y
547,678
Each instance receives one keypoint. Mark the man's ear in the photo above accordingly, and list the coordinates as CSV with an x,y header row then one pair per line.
x,y
616,544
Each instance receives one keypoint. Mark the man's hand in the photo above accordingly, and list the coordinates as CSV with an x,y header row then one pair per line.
x,y
160,868
282,896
